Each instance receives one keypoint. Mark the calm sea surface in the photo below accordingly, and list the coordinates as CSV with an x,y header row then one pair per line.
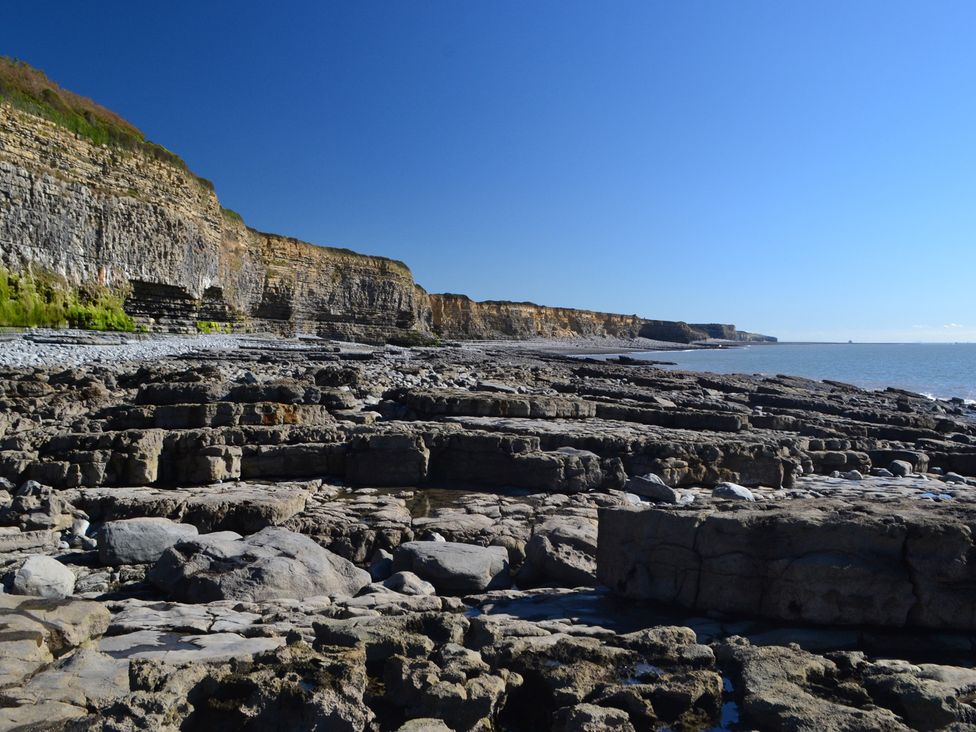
x,y
941,370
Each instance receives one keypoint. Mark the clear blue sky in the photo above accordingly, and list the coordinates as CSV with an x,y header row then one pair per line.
x,y
802,169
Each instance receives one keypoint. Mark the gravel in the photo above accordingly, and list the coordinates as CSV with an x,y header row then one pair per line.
x,y
73,348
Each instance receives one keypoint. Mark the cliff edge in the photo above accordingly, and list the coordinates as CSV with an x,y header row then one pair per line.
x,y
89,204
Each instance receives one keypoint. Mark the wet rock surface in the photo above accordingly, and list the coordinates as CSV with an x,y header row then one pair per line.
x,y
329,536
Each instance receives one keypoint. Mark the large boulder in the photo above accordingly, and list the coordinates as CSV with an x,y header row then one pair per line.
x,y
43,576
272,564
455,569
140,540
562,552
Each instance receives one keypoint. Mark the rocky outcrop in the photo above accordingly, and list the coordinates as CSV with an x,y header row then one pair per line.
x,y
831,562
452,474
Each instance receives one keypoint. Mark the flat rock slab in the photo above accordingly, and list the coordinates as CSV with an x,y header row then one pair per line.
x,y
241,507
271,564
219,617
180,648
455,569
12,539
85,679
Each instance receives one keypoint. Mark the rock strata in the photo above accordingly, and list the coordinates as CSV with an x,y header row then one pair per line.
x,y
338,536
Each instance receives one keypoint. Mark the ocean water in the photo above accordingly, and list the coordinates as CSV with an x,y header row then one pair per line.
x,y
942,370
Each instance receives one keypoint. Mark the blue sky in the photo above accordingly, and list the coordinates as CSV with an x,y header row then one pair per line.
x,y
801,169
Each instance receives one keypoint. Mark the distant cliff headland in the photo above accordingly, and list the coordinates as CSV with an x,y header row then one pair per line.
x,y
102,228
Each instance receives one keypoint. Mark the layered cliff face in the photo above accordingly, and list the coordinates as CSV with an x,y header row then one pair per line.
x,y
151,230
722,331
458,316
85,199
335,292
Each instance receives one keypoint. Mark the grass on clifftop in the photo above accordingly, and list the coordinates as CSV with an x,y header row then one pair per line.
x,y
29,90
31,301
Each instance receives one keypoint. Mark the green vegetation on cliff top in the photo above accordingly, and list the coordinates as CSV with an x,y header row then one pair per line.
x,y
43,300
29,90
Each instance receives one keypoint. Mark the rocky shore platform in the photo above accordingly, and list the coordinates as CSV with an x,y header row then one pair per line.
x,y
245,534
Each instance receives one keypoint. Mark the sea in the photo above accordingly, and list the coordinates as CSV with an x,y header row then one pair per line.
x,y
937,370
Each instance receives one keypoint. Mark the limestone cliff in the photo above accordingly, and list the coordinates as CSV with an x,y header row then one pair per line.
x,y
86,198
458,316
152,230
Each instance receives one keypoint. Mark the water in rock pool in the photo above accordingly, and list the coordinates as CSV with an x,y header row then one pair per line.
x,y
942,370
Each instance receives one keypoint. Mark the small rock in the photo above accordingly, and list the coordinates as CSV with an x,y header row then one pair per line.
x,y
382,565
44,576
592,718
407,583
733,492
901,468
79,527
651,486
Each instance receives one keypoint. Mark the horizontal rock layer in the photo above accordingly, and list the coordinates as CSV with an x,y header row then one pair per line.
x,y
458,316
825,562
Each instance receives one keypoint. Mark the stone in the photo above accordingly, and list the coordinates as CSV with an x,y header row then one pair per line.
x,y
134,615
562,551
733,492
140,540
927,696
412,635
461,692
381,566
84,679
43,576
592,718
901,468
424,725
288,687
407,583
453,568
274,563
651,486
